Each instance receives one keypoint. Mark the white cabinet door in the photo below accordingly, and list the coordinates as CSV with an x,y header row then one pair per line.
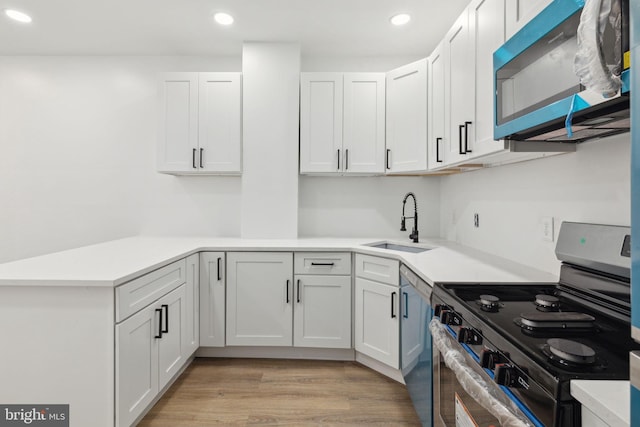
x,y
321,123
192,305
377,327
364,123
413,314
459,89
259,299
406,118
178,133
219,123
520,12
171,345
438,131
486,28
136,365
322,314
212,299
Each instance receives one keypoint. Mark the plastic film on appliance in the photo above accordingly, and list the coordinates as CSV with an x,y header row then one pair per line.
x,y
590,64
470,380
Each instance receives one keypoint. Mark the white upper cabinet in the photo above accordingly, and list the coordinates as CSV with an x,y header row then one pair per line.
x,y
438,131
364,110
520,12
486,28
458,89
342,123
178,133
200,123
220,122
407,118
320,122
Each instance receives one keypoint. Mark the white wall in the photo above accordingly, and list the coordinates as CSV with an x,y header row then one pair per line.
x,y
590,185
270,92
367,206
77,156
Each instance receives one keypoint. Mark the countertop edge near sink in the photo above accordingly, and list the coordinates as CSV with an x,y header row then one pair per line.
x,y
115,262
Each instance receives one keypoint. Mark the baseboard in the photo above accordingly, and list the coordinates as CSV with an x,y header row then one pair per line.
x,y
278,353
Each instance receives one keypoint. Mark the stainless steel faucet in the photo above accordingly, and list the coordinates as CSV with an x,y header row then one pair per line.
x,y
414,231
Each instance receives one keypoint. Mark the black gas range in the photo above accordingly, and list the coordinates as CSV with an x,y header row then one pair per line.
x,y
528,341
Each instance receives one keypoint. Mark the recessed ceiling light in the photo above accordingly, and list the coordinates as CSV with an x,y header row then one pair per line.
x,y
400,19
17,16
223,18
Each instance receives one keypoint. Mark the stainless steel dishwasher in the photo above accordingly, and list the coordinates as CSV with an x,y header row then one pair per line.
x,y
415,342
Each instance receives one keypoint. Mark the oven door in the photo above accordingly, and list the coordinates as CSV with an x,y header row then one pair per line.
x,y
463,392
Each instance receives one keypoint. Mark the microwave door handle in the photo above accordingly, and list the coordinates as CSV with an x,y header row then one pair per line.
x,y
468,378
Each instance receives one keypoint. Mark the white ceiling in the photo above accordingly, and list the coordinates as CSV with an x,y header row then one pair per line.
x,y
186,27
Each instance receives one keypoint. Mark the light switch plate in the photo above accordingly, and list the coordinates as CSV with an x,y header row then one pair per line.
x,y
546,228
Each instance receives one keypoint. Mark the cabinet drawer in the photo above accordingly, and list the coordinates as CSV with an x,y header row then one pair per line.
x,y
322,263
140,292
379,269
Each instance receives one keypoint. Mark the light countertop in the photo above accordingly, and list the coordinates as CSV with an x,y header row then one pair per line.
x,y
609,400
115,262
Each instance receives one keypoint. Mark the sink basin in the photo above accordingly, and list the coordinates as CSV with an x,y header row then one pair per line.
x,y
397,247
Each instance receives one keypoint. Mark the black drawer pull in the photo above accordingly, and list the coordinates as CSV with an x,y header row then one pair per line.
x,y
219,273
406,305
288,299
438,141
159,335
193,159
166,319
298,291
460,127
322,264
393,305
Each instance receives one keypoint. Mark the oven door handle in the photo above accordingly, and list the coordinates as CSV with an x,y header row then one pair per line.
x,y
469,379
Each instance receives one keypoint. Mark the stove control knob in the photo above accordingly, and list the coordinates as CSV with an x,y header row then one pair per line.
x,y
509,376
438,309
469,336
490,358
450,317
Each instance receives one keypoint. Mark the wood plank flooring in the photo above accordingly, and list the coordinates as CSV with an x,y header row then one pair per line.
x,y
271,392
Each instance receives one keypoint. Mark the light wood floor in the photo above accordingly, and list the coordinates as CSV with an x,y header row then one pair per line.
x,y
239,392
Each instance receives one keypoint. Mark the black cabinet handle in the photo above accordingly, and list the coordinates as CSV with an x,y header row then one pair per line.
x,y
338,159
326,264
406,305
466,137
201,151
287,292
460,127
387,160
346,159
193,159
166,319
159,335
298,291
438,141
393,305
219,275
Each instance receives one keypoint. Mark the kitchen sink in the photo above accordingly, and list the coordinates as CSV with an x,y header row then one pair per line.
x,y
397,247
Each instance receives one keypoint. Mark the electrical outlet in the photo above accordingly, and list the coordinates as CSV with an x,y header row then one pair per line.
x,y
476,220
546,228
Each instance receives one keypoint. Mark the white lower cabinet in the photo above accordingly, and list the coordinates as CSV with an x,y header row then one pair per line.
x,y
150,350
322,313
377,323
212,299
192,300
259,298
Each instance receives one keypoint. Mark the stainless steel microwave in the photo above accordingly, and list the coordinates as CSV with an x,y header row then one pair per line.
x,y
564,77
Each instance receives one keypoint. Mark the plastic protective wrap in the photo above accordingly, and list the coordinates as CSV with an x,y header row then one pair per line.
x,y
470,380
589,64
